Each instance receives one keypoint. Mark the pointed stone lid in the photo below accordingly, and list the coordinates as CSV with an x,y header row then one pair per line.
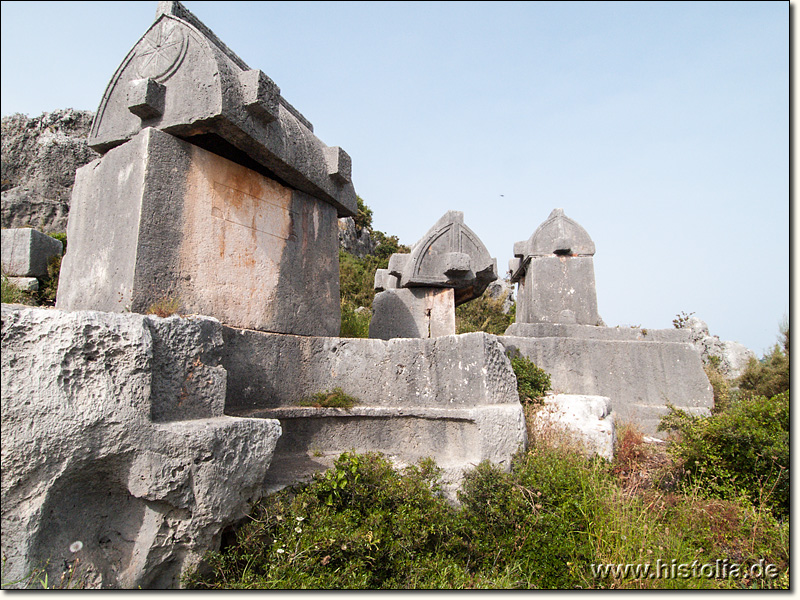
x,y
182,79
557,235
450,255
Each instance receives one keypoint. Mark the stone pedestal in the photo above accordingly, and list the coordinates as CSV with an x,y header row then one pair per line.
x,y
640,370
413,313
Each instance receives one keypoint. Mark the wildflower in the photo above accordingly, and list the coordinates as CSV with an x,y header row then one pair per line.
x,y
280,550
75,546
298,530
300,519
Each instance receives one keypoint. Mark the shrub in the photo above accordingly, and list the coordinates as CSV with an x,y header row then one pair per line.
x,y
743,450
11,294
719,384
355,323
363,524
536,520
532,382
363,218
769,376
681,321
335,398
483,314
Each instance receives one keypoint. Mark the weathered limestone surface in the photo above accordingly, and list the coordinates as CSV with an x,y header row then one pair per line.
x,y
182,79
413,313
95,448
502,289
357,242
642,370
452,398
39,159
26,252
733,356
26,284
222,239
585,420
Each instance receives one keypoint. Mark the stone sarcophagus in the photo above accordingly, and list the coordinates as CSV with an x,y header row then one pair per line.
x,y
555,272
213,193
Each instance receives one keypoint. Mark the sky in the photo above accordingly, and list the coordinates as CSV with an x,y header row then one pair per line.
x,y
661,128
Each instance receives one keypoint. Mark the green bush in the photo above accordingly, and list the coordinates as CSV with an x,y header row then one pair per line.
x,y
532,382
769,376
355,323
534,521
367,524
361,525
743,450
363,218
483,314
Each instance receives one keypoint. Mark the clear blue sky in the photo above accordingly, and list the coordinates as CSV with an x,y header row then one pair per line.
x,y
662,128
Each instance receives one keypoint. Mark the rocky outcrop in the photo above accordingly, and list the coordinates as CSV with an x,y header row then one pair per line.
x,y
117,459
357,242
502,289
39,159
732,357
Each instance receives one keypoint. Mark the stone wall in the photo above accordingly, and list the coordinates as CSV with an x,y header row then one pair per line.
x,y
452,398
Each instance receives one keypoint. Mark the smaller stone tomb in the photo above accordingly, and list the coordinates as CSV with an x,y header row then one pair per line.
x,y
558,328
555,272
213,195
418,293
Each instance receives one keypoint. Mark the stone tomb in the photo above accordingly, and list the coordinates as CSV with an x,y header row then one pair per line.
x,y
418,292
558,328
213,193
555,272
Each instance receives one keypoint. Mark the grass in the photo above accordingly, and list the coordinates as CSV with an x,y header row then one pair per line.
x,y
164,307
335,398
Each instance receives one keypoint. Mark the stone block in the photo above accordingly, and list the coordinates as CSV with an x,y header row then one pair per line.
x,y
87,473
558,289
220,239
457,371
26,284
585,421
585,332
413,313
146,98
27,252
451,398
260,95
641,375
